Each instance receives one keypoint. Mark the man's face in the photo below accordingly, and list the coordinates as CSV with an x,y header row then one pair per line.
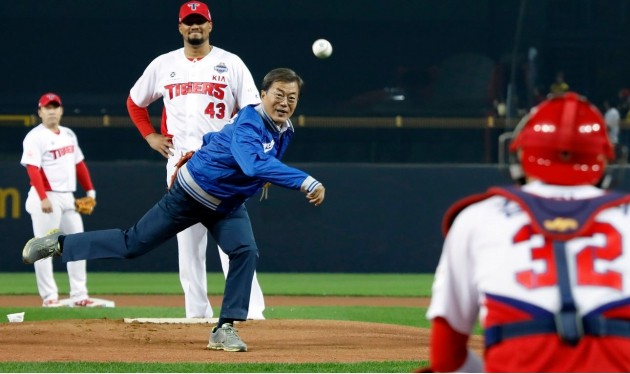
x,y
51,114
195,29
280,100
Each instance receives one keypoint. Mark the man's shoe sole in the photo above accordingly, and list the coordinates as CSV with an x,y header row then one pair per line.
x,y
52,235
220,347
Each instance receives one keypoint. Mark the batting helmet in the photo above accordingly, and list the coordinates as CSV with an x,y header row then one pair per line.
x,y
563,141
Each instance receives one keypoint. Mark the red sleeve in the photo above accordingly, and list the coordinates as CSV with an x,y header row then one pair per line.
x,y
448,347
37,180
455,209
164,127
83,175
140,118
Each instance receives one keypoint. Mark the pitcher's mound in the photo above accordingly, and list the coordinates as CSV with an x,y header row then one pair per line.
x,y
286,341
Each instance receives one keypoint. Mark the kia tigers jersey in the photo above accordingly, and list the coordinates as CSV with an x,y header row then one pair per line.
x,y
55,154
199,96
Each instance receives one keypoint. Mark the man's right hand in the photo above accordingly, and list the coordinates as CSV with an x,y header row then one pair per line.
x,y
316,197
47,206
160,143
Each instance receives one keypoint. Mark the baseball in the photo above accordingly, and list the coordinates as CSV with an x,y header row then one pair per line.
x,y
322,48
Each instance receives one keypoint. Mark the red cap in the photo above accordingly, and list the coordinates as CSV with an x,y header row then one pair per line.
x,y
48,98
194,7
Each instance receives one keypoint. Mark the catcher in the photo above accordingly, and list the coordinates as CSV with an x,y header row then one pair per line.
x,y
545,266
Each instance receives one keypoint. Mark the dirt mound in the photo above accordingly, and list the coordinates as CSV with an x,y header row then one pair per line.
x,y
289,341
273,340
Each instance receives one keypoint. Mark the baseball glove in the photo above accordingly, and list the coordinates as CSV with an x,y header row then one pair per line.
x,y
85,205
184,159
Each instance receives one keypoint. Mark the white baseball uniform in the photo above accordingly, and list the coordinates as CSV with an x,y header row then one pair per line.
x,y
495,267
199,96
56,155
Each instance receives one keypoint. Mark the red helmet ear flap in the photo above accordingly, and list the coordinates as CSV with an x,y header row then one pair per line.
x,y
563,141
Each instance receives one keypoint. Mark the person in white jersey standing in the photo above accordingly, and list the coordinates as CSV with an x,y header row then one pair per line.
x,y
54,163
201,86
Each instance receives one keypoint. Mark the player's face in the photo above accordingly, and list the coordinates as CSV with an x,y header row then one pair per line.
x,y
195,30
280,100
50,114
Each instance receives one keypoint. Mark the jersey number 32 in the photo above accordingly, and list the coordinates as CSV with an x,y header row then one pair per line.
x,y
586,274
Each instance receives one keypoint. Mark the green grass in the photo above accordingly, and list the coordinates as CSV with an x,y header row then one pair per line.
x,y
109,367
294,284
310,284
404,316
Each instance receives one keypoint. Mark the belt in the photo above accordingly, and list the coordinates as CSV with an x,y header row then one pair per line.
x,y
593,326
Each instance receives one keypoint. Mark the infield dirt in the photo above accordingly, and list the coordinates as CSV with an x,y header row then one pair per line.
x,y
272,340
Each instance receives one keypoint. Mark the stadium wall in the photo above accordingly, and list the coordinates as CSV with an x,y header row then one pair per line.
x,y
316,144
376,218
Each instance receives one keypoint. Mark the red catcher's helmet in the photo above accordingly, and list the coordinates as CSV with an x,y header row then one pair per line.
x,y
563,141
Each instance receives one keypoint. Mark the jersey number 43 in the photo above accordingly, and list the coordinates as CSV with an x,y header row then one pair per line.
x,y
215,110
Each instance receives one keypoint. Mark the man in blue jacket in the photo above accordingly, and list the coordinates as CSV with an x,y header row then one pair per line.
x,y
211,188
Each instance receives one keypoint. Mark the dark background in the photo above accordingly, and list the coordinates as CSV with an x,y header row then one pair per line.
x,y
387,186
376,218
448,57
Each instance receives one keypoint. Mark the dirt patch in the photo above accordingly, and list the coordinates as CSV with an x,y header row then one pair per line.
x,y
287,341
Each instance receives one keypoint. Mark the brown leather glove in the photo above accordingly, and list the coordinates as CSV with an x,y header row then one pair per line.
x,y
85,205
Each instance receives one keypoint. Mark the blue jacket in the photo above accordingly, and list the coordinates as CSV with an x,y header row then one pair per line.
x,y
234,163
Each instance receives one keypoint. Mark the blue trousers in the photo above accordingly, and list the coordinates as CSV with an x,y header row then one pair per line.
x,y
175,212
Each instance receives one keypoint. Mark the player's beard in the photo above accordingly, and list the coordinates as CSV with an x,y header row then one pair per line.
x,y
196,41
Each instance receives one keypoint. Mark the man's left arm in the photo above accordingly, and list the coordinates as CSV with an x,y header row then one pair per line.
x,y
247,148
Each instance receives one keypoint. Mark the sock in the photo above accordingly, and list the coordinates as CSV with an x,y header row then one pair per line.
x,y
225,320
60,240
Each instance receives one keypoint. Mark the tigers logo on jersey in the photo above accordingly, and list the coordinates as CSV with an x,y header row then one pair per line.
x,y
561,224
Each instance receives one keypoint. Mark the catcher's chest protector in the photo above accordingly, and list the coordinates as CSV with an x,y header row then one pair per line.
x,y
559,220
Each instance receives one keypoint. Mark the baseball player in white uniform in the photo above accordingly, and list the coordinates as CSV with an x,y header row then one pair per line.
x,y
54,162
201,86
544,266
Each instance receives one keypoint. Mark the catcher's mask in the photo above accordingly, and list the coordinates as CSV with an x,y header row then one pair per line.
x,y
561,141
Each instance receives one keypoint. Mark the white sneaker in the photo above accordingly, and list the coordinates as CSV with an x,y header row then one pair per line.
x,y
40,248
225,338
84,303
51,303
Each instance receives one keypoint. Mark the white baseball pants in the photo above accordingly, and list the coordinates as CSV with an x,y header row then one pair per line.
x,y
63,217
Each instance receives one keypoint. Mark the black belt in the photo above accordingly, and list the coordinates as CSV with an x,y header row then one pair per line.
x,y
593,326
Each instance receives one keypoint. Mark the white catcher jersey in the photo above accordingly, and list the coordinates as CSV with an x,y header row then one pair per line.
x,y
56,154
490,251
199,96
